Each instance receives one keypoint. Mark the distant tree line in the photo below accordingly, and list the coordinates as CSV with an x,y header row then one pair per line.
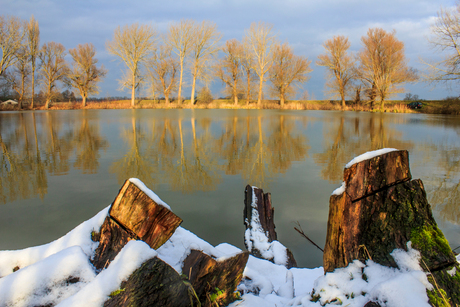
x,y
158,62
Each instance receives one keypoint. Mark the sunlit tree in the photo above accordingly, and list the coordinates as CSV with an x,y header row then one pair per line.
x,y
287,71
260,40
383,64
340,66
11,36
228,67
53,69
84,75
33,50
133,44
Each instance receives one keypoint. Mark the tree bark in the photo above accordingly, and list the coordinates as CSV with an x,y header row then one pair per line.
x,y
214,281
155,283
382,209
265,218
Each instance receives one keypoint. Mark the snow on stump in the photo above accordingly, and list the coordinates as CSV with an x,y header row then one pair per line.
x,y
260,236
378,209
155,283
214,281
134,215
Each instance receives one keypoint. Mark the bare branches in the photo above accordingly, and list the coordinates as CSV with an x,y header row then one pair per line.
x,y
33,48
339,64
54,68
180,38
132,44
11,35
260,40
287,70
383,65
204,46
228,67
446,31
84,74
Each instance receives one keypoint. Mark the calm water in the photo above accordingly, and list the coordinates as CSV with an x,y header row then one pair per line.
x,y
60,168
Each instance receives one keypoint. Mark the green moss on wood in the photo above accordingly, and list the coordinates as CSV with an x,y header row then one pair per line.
x,y
430,237
116,292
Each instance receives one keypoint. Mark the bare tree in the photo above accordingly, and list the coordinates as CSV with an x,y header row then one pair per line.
x,y
287,70
84,74
132,43
446,31
165,67
204,46
19,75
383,65
54,68
261,41
340,66
247,63
228,68
11,35
180,38
33,48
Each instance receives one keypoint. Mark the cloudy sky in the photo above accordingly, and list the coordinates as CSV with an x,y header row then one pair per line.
x,y
304,24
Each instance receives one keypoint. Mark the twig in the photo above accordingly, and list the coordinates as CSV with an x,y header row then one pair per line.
x,y
302,233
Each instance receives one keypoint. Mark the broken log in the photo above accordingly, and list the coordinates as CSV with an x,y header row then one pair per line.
x,y
378,209
260,236
133,216
155,283
214,281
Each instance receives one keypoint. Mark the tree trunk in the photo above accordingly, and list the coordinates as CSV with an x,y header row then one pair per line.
x,y
381,209
33,86
179,92
133,215
282,99
133,90
154,284
248,94
235,93
83,101
259,98
259,218
192,97
214,281
47,104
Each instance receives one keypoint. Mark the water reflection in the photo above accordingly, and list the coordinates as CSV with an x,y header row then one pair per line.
x,y
348,137
36,145
201,160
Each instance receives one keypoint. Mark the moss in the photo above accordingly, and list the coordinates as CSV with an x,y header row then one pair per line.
x,y
436,298
429,238
116,292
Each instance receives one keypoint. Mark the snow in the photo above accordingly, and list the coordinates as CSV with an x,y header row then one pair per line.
x,y
255,237
340,190
60,274
149,192
369,155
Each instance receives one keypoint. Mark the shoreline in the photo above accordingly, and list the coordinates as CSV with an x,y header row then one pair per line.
x,y
395,106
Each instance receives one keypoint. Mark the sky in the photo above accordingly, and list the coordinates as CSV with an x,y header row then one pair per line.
x,y
304,24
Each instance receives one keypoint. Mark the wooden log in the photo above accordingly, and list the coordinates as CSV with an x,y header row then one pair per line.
x,y
259,217
214,281
112,239
380,172
133,216
155,283
137,212
384,213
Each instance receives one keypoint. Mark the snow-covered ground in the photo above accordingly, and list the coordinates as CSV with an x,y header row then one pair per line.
x,y
59,273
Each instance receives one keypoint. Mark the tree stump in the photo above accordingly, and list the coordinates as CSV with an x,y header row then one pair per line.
x,y
133,216
214,281
155,283
260,226
381,209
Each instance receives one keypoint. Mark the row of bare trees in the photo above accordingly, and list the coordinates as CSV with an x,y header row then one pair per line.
x,y
158,61
22,56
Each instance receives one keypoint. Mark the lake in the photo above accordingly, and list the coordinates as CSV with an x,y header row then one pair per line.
x,y
59,168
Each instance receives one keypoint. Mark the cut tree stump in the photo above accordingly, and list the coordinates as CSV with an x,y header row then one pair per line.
x,y
154,284
214,281
133,216
382,209
260,215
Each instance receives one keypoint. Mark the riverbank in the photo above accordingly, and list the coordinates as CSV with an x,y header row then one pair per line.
x,y
449,106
